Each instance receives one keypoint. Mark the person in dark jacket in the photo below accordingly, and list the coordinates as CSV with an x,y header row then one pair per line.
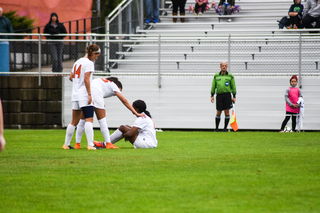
x,y
226,6
5,25
295,13
56,47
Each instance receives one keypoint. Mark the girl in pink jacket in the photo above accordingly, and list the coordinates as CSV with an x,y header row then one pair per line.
x,y
200,4
292,108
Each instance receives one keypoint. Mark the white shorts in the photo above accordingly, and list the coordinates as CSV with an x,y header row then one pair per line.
x,y
98,101
77,105
140,142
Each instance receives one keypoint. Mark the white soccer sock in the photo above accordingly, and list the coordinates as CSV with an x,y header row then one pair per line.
x,y
80,129
69,134
104,130
116,136
89,132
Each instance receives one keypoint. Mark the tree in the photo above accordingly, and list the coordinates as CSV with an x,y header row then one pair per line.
x,y
20,24
106,7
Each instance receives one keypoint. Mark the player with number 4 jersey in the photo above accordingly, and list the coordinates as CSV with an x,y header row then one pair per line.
x,y
81,76
80,68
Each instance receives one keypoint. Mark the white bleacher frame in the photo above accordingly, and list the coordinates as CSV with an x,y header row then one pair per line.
x,y
181,100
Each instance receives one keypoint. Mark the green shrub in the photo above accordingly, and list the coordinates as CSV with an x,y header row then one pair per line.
x,y
19,23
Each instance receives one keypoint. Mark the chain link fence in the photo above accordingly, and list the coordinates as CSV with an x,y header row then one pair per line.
x,y
141,54
245,55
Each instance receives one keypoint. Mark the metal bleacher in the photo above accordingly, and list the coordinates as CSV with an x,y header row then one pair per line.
x,y
202,42
171,65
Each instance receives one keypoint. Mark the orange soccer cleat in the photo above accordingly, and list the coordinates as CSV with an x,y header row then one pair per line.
x,y
111,146
91,148
99,144
67,147
77,146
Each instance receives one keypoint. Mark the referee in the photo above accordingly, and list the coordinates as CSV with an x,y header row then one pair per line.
x,y
223,84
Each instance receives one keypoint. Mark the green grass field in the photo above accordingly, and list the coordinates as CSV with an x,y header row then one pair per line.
x,y
188,172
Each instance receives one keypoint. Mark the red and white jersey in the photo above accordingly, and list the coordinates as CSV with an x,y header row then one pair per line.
x,y
146,130
80,67
104,87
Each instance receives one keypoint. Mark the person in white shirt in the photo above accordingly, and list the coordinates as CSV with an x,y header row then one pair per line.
x,y
81,77
104,88
142,134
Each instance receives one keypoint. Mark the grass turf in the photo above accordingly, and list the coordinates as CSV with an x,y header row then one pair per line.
x,y
188,172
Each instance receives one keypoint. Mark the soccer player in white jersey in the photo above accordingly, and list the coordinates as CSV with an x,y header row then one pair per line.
x,y
104,88
81,77
142,134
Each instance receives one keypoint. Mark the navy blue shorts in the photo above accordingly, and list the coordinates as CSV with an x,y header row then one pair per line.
x,y
88,111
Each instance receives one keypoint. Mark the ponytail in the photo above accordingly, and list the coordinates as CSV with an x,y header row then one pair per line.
x,y
92,49
147,113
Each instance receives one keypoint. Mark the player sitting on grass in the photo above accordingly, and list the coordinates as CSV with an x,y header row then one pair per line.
x,y
142,134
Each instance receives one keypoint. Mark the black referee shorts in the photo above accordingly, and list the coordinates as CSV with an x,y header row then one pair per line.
x,y
224,101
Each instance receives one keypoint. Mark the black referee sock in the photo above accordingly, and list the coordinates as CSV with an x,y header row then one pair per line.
x,y
226,121
217,122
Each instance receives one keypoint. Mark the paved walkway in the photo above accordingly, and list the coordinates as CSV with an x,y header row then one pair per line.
x,y
67,66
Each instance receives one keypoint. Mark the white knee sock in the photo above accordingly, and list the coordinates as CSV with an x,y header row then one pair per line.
x,y
80,130
69,134
89,132
104,129
116,136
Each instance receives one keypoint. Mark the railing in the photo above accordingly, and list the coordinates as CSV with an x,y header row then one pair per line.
x,y
127,17
81,26
128,54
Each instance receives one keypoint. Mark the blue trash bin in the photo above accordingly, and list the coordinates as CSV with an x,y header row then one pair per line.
x,y
4,56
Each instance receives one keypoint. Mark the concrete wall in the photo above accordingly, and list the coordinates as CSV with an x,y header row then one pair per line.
x,y
27,105
183,102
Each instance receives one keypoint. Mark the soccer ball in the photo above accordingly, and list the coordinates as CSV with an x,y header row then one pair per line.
x,y
287,129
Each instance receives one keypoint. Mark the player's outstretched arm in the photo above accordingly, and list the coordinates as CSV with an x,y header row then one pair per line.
x,y
128,105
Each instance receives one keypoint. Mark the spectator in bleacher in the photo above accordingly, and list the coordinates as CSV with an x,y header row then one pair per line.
x,y
292,107
56,47
5,25
226,7
200,4
176,5
311,13
295,13
152,8
223,85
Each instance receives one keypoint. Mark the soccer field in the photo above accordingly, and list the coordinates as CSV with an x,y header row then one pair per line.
x,y
190,171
